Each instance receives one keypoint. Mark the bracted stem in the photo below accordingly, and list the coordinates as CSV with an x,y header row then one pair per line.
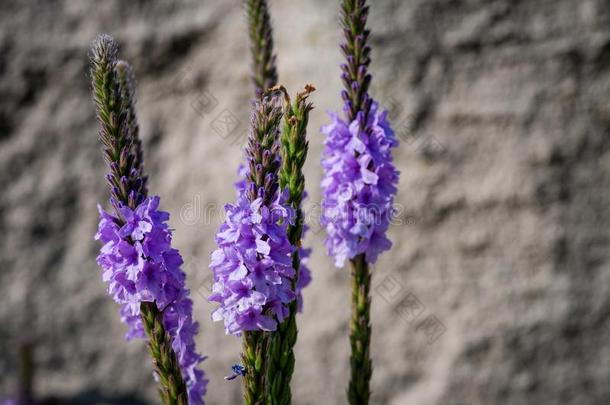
x,y
294,148
172,388
254,359
358,392
281,356
114,107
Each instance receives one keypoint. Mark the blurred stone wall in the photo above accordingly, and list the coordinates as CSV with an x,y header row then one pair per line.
x,y
498,288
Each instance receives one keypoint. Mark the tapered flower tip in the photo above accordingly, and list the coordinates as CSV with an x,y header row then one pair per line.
x,y
124,69
127,77
104,47
123,66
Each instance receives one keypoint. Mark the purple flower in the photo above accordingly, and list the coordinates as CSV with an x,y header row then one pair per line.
x,y
139,265
304,273
252,266
359,185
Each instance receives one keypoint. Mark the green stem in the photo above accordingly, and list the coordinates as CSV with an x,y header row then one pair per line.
x,y
172,388
281,352
253,357
358,392
115,108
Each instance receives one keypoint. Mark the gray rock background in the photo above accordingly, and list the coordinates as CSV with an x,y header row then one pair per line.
x,y
498,288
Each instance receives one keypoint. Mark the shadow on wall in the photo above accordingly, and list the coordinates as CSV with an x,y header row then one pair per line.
x,y
25,391
92,397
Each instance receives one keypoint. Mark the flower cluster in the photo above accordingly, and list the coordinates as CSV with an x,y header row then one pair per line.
x,y
359,185
139,265
253,266
304,277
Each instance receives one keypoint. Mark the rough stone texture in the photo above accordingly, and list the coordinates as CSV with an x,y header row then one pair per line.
x,y
503,232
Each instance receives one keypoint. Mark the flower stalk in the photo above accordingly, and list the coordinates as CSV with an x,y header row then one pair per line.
x,y
359,187
142,270
294,147
114,114
356,80
252,265
263,164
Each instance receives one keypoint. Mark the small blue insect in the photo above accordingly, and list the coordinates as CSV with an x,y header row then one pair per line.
x,y
238,370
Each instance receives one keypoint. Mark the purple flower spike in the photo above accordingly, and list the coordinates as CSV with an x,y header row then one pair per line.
x,y
141,269
359,186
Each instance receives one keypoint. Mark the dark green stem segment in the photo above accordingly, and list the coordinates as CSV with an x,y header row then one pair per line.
x,y
25,395
358,392
114,98
264,73
294,148
172,388
281,360
253,357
